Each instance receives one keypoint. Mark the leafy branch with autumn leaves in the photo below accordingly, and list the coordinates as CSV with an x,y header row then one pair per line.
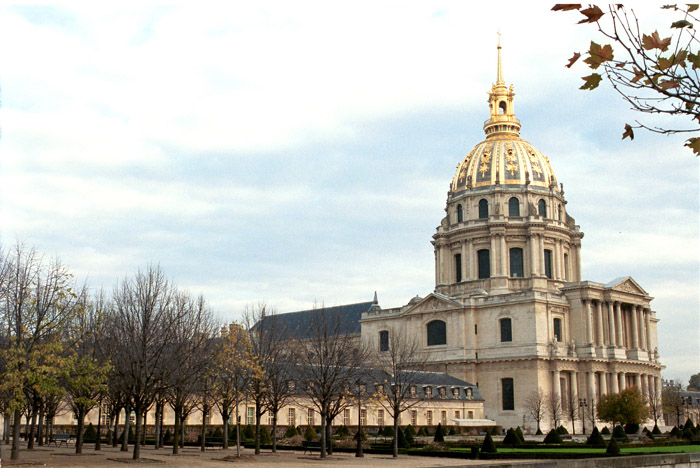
x,y
655,74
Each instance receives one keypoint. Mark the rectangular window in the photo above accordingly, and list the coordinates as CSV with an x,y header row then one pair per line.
x,y
476,329
443,417
363,417
310,417
384,340
429,417
292,417
346,417
484,263
380,417
470,414
457,414
557,329
516,262
428,392
548,263
566,267
508,398
413,390
458,268
251,415
414,418
506,330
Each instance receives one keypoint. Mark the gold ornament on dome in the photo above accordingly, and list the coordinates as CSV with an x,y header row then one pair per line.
x,y
485,161
511,162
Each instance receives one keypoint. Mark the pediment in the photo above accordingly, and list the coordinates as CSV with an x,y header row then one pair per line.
x,y
433,302
627,285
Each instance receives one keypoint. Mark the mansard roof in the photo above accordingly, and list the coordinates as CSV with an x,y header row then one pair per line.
x,y
298,325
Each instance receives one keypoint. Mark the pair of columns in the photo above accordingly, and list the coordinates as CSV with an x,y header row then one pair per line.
x,y
639,323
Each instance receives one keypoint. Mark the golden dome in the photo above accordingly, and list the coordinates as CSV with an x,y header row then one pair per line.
x,y
507,161
503,158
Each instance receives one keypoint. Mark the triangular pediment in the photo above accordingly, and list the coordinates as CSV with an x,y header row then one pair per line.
x,y
627,285
432,302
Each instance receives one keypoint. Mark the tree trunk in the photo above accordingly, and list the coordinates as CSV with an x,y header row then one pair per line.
x,y
323,436
115,433
176,431
358,450
6,430
225,415
395,444
258,417
203,437
14,454
40,428
98,441
329,438
156,427
137,433
145,425
127,421
32,427
81,426
274,432
182,431
238,433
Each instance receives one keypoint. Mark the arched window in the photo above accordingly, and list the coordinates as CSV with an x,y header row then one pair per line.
x,y
506,330
483,209
514,207
548,263
484,258
542,208
516,262
437,333
460,214
384,340
458,268
502,107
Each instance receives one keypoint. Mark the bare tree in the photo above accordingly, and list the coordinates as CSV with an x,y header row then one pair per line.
x,y
143,326
655,401
554,409
536,407
402,361
673,402
572,412
328,362
278,383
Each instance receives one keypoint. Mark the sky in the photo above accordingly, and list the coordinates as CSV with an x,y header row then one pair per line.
x,y
295,153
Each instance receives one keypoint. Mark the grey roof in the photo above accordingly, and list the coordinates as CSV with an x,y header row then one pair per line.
x,y
616,281
299,325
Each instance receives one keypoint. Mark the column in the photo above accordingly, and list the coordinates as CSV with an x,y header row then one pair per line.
x,y
614,381
556,271
494,257
540,253
640,325
504,255
556,384
574,387
611,324
577,269
635,328
647,321
645,387
623,381
473,261
589,324
600,323
591,387
621,330
531,242
603,383
638,381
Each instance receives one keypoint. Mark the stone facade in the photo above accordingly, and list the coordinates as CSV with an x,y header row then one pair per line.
x,y
516,314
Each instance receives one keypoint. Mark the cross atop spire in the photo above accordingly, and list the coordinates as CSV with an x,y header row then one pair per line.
x,y
499,72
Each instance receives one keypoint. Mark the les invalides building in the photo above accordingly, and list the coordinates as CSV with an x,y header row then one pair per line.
x,y
510,311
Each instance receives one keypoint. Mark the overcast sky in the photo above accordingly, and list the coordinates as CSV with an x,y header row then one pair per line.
x,y
292,152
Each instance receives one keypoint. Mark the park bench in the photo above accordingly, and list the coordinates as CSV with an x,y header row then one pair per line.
x,y
60,439
215,441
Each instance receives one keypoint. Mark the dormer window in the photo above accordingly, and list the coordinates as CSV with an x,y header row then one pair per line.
x,y
291,385
428,392
443,392
455,392
413,390
470,393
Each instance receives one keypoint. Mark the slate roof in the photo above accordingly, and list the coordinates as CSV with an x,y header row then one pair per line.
x,y
299,325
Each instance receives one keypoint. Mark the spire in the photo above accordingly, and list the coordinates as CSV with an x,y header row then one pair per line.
x,y
499,72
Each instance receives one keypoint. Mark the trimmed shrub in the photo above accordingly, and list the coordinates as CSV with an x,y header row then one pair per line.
x,y
553,437
410,438
656,430
689,433
168,437
675,432
688,423
631,428
218,432
605,430
452,431
488,446
342,431
562,430
539,431
309,434
90,434
248,432
422,432
409,431
403,442
495,430
511,438
519,433
595,438
439,436
620,433
290,432
265,437
612,449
